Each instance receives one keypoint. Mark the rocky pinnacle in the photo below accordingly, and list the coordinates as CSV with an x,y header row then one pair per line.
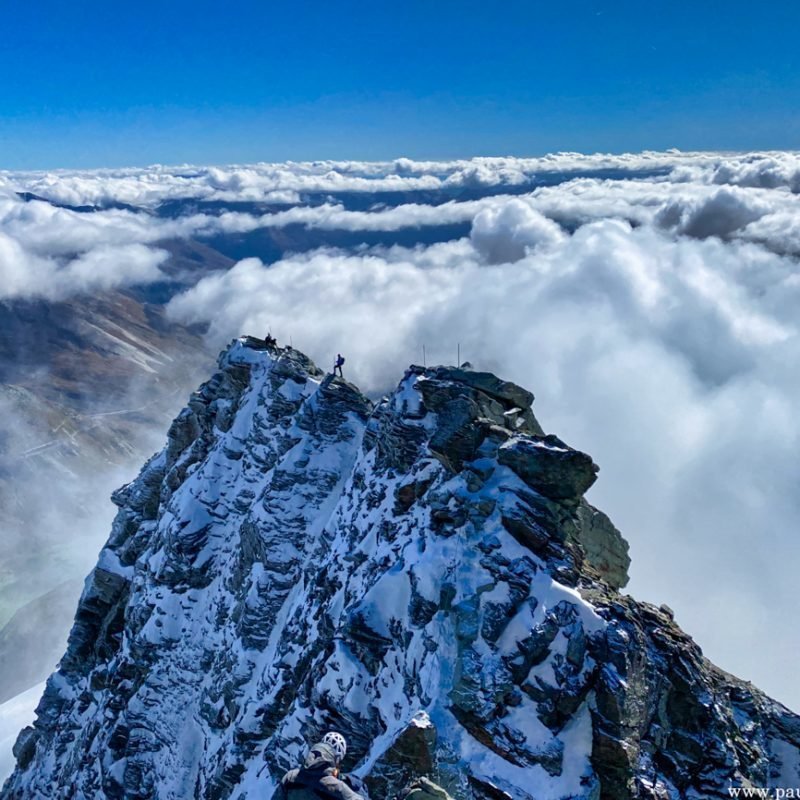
x,y
422,574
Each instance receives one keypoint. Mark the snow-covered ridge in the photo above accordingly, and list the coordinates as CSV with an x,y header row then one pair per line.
x,y
422,574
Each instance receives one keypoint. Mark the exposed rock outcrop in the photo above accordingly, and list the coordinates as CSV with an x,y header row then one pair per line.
x,y
423,575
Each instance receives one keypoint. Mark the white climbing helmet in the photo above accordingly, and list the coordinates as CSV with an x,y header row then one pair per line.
x,y
337,743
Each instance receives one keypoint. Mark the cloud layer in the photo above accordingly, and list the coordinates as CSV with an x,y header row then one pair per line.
x,y
51,251
284,182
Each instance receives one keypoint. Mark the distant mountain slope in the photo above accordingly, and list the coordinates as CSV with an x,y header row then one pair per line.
x,y
89,347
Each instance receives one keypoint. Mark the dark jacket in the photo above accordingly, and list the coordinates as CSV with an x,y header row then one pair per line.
x,y
315,780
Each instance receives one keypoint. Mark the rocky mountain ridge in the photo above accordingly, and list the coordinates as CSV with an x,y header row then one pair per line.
x,y
422,574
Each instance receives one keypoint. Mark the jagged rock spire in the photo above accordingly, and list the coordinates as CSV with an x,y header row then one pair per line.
x,y
423,575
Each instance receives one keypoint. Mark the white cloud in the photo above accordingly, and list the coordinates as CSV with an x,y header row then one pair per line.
x,y
507,232
682,195
55,253
277,182
109,266
331,217
769,170
719,214
697,210
25,275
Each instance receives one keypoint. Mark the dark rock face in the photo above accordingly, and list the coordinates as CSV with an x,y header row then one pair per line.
x,y
412,755
424,576
549,466
606,551
25,747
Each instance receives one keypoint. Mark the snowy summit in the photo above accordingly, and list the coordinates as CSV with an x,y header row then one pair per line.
x,y
422,574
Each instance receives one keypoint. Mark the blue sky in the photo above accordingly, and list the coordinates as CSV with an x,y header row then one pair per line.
x,y
107,84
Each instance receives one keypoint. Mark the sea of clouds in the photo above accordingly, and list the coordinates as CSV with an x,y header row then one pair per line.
x,y
649,300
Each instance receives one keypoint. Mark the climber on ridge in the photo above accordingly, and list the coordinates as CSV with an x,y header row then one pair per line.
x,y
270,340
319,776
338,364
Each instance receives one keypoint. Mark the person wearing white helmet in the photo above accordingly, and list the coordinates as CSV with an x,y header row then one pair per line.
x,y
337,743
319,776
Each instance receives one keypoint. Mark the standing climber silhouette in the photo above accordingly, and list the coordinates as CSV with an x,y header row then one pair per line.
x,y
338,364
